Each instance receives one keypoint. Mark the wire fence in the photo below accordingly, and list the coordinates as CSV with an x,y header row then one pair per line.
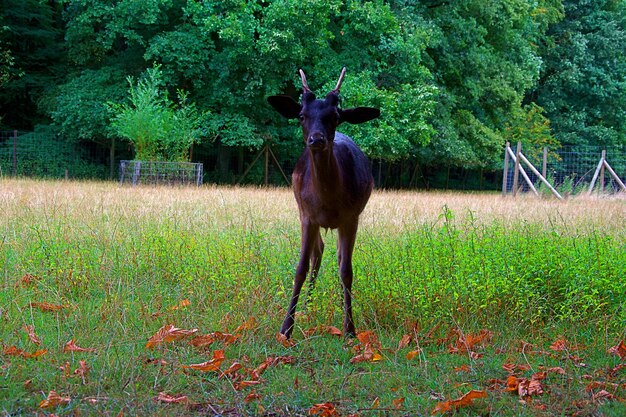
x,y
44,155
156,172
571,169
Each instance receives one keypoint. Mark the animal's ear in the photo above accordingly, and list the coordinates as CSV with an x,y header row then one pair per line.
x,y
358,115
285,105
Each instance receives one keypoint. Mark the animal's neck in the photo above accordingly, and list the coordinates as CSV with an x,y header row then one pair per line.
x,y
325,172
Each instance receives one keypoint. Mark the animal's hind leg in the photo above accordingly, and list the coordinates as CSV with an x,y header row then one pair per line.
x,y
316,262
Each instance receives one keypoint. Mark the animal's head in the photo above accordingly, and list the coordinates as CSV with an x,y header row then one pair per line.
x,y
319,118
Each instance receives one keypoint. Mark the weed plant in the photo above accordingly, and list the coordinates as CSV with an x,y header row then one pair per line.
x,y
120,261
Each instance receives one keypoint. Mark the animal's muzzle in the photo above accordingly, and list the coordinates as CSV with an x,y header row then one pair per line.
x,y
316,141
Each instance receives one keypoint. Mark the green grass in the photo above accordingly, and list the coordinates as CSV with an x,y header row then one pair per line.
x,y
432,265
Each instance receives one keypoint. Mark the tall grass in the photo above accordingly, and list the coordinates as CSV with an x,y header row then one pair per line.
x,y
119,259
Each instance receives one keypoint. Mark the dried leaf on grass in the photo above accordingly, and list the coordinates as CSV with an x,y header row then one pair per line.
x,y
467,343
184,303
413,354
525,387
172,399
405,341
54,400
464,401
168,333
253,396
31,334
619,350
249,324
15,351
398,403
369,349
27,280
283,340
323,410
71,346
47,307
209,366
331,330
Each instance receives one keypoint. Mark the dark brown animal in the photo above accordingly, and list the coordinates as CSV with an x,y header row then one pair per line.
x,y
332,182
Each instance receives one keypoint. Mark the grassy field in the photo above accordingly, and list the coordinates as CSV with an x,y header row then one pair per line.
x,y
519,302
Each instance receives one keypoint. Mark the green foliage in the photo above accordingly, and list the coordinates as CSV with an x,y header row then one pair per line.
x,y
529,126
454,80
484,59
79,107
157,128
583,82
32,36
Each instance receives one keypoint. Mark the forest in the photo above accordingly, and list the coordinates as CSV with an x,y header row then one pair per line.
x,y
455,80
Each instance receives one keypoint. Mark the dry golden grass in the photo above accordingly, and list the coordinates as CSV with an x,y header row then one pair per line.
x,y
276,206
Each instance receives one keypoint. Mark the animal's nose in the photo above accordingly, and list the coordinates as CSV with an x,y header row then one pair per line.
x,y
316,139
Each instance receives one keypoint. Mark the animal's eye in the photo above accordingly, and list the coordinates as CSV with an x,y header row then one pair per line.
x,y
301,117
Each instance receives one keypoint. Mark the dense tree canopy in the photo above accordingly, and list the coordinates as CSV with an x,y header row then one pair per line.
x,y
583,82
454,80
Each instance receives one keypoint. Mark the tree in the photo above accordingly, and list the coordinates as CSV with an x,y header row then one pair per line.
x,y
484,59
583,83
31,42
158,129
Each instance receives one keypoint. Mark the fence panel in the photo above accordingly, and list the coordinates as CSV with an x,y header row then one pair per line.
x,y
571,169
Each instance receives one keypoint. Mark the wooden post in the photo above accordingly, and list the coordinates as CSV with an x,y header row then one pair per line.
x,y
275,160
505,173
614,175
136,171
523,172
595,176
544,165
15,153
541,177
602,171
516,169
112,159
267,163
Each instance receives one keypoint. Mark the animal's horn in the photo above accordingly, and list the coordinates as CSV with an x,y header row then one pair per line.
x,y
305,86
338,86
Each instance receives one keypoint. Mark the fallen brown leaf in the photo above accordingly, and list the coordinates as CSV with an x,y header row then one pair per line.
x,y
31,334
172,399
464,401
168,333
249,324
283,340
71,346
184,303
412,354
323,410
398,403
14,351
27,280
253,396
54,400
209,366
405,341
203,341
47,306
619,350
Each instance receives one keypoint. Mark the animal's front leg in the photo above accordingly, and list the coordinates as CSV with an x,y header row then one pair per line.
x,y
347,237
309,236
